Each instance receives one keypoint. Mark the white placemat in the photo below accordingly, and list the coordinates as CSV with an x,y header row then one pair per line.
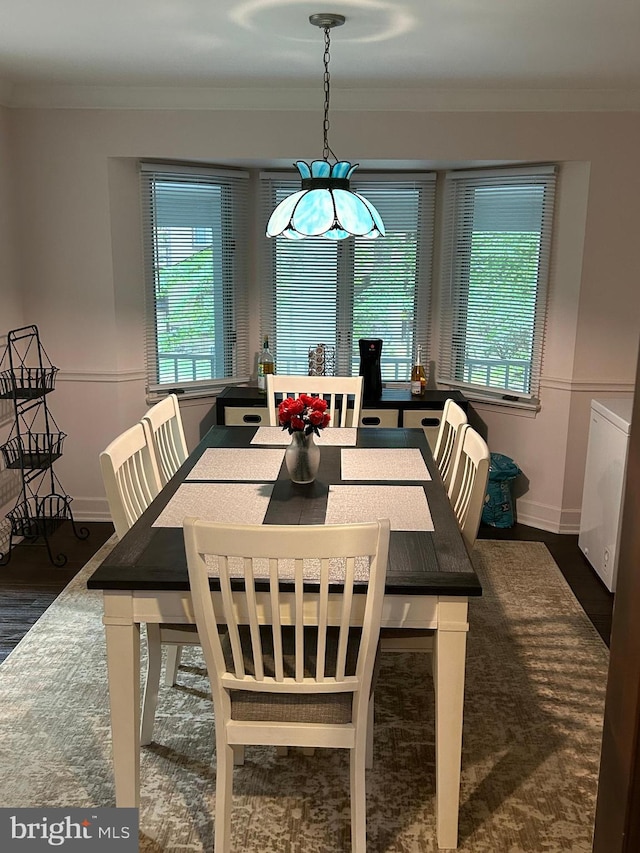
x,y
286,569
233,503
237,463
405,506
345,436
403,463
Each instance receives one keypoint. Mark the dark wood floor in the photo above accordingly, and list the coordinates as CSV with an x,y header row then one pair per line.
x,y
587,587
29,583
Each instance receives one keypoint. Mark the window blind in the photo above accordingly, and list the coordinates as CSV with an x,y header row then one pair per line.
x,y
195,230
320,291
495,264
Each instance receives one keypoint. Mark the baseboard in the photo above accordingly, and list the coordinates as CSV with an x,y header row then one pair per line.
x,y
90,509
546,517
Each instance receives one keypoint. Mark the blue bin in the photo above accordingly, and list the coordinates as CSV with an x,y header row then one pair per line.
x,y
498,503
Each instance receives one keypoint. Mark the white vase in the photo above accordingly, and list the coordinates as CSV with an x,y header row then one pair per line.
x,y
302,458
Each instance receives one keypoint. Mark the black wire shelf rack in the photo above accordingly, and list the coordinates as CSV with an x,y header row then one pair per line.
x,y
35,442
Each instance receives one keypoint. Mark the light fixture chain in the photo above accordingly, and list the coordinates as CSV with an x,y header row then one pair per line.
x,y
327,94
315,210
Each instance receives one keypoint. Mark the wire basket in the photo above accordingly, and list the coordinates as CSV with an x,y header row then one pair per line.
x,y
27,383
38,515
33,450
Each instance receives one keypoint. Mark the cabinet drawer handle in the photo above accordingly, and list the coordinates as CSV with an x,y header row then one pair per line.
x,y
430,422
370,421
252,419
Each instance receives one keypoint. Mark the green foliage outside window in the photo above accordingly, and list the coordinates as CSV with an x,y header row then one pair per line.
x,y
185,315
501,307
384,300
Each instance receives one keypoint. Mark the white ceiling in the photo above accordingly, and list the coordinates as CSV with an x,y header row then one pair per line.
x,y
441,47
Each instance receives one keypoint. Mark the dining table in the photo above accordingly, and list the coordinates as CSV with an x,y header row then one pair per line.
x,y
237,474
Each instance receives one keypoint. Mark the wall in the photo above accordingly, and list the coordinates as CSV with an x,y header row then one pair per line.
x,y
79,246
11,308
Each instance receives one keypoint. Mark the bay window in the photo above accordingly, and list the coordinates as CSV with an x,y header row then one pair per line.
x,y
494,238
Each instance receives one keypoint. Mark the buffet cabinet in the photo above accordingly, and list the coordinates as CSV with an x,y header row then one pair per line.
x,y
246,406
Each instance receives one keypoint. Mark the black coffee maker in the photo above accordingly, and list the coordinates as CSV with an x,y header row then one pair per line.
x,y
370,353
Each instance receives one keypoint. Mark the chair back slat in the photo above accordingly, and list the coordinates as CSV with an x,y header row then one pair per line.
x,y
323,619
336,390
447,442
227,607
130,475
254,626
299,619
446,448
461,503
469,482
276,624
345,619
169,455
136,494
165,435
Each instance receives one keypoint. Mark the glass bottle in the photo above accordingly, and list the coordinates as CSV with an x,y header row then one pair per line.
x,y
265,365
418,376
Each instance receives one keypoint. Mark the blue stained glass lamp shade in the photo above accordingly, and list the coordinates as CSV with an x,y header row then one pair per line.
x,y
325,206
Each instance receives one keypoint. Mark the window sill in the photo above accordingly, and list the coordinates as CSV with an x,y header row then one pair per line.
x,y
526,408
200,392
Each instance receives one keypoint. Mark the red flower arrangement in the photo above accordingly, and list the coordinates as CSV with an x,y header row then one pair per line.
x,y
305,414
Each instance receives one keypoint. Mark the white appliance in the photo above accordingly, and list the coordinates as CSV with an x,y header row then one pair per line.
x,y
604,485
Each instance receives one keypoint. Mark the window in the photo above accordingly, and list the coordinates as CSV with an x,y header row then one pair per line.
x,y
497,234
494,259
333,293
195,241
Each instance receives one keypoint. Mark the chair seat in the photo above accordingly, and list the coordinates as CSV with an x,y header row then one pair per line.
x,y
319,708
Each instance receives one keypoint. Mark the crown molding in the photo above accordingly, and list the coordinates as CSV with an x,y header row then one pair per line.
x,y
34,96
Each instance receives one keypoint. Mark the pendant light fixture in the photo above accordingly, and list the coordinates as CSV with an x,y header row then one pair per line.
x,y
325,206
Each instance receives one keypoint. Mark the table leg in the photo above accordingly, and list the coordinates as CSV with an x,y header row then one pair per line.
x,y
123,664
449,652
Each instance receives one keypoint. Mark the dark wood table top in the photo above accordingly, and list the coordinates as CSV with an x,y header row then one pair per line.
x,y
420,562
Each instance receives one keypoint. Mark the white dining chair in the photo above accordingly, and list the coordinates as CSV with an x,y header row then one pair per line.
x,y
132,480
447,442
165,435
468,486
294,673
336,390
467,490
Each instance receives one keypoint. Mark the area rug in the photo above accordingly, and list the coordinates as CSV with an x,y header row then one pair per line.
x,y
536,678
